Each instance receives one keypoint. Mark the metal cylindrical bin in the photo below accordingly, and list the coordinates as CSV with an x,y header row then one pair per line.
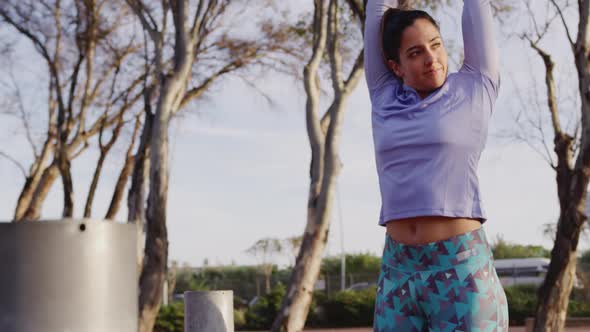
x,y
210,311
68,276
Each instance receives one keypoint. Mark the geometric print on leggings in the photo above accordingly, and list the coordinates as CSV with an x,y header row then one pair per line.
x,y
447,285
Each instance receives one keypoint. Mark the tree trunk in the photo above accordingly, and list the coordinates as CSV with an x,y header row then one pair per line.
x,y
26,195
32,181
555,291
406,3
65,168
324,137
172,273
94,185
295,307
123,176
297,300
267,281
104,151
257,286
572,184
119,188
153,273
136,194
172,88
50,174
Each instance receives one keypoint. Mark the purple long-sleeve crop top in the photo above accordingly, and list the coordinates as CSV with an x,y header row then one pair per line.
x,y
427,150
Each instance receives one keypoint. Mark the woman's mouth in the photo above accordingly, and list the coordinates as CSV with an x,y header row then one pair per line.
x,y
433,71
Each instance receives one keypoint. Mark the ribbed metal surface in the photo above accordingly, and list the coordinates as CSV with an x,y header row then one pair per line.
x,y
209,311
68,276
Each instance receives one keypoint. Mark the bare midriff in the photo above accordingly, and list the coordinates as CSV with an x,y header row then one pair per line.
x,y
422,230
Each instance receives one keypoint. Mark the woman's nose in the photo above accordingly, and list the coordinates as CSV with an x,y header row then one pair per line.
x,y
429,58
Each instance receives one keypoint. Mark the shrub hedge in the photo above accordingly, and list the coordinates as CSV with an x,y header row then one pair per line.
x,y
349,309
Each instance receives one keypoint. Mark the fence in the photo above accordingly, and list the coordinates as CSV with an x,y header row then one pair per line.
x,y
247,286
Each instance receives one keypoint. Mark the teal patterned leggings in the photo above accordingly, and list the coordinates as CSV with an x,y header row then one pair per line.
x,y
447,285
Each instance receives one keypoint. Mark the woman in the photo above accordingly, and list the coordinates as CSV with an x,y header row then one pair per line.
x,y
429,129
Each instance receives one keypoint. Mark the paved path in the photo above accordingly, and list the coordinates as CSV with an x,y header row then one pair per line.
x,y
368,329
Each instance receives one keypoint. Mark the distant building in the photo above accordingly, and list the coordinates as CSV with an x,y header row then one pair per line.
x,y
518,271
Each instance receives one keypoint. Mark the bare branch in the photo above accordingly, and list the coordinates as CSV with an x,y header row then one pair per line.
x,y
520,134
196,92
23,114
36,42
358,8
197,21
356,72
550,83
268,98
333,43
182,42
145,17
40,47
15,162
539,33
104,150
563,20
125,173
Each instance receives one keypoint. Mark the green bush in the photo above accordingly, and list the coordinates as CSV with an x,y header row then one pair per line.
x,y
262,314
502,249
578,309
355,264
243,280
189,281
522,300
316,316
350,308
239,319
170,318
347,309
522,303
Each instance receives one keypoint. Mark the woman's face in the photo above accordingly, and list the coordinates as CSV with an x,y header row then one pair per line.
x,y
423,58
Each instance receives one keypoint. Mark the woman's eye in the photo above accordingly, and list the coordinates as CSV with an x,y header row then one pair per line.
x,y
436,45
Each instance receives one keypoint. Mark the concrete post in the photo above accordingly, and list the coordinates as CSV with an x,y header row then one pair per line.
x,y
68,275
209,311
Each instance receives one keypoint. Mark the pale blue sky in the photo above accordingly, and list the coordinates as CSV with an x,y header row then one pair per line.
x,y
240,166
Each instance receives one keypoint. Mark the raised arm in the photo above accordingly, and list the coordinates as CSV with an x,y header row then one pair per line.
x,y
375,70
481,53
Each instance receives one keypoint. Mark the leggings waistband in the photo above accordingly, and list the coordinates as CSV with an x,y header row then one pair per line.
x,y
436,255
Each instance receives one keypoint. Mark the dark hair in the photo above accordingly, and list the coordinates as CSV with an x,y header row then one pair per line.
x,y
393,24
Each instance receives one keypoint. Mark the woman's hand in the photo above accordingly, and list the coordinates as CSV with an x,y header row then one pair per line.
x,y
404,4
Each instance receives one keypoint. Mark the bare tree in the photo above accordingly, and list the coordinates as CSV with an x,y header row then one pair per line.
x,y
572,165
292,245
266,250
80,43
200,52
84,56
324,137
